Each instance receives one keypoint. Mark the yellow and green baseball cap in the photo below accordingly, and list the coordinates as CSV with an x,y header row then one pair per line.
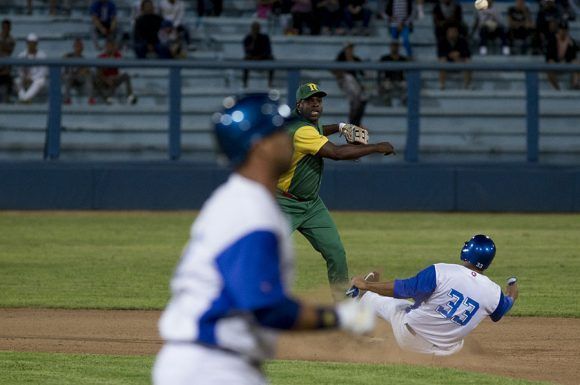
x,y
307,90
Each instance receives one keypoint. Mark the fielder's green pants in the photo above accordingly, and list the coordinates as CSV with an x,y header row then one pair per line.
x,y
313,221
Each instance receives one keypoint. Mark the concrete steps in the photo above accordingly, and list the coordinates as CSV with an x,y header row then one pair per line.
x,y
487,123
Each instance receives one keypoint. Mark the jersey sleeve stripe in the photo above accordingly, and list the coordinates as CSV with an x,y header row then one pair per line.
x,y
419,287
505,304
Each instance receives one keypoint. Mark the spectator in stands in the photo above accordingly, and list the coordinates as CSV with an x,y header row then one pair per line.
x,y
136,11
171,44
520,24
174,11
489,23
257,47
215,7
80,78
547,21
7,44
108,79
445,13
265,8
454,49
356,11
350,82
282,11
301,15
331,13
104,19
31,80
391,83
562,49
400,17
146,32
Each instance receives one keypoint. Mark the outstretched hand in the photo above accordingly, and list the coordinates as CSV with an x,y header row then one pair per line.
x,y
386,148
359,282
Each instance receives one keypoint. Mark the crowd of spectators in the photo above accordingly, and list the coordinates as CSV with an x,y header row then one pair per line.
x,y
315,17
548,35
159,29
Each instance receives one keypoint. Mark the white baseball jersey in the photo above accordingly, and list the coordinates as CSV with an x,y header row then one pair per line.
x,y
450,301
238,259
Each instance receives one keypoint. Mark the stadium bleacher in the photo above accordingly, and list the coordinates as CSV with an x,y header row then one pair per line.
x,y
487,122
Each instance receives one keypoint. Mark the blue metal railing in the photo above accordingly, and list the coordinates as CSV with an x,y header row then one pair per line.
x,y
412,70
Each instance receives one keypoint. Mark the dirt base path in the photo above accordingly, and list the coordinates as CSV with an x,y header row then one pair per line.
x,y
530,348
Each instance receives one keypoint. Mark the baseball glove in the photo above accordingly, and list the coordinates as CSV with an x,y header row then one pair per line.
x,y
353,134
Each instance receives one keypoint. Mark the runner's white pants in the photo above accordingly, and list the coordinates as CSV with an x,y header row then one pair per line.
x,y
190,364
394,311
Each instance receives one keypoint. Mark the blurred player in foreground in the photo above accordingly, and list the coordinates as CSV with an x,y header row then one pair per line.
x,y
230,289
450,300
298,187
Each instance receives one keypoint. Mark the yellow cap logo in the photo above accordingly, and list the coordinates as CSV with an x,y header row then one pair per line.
x,y
312,86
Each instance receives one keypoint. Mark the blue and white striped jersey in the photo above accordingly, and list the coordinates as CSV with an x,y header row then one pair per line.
x,y
238,259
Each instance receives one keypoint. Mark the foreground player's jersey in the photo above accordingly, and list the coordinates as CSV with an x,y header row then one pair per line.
x,y
238,259
453,301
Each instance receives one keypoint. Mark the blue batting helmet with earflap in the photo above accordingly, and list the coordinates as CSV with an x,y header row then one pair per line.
x,y
245,120
479,251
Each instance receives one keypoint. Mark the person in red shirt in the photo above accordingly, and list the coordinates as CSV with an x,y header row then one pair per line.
x,y
108,79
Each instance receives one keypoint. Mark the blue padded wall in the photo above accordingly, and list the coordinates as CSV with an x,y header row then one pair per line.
x,y
345,186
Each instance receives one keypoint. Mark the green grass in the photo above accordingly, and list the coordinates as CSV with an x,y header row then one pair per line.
x,y
58,369
125,260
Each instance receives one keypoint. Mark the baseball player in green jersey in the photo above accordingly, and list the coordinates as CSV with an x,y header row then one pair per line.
x,y
298,188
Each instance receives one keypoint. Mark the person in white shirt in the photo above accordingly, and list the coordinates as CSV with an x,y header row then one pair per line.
x,y
450,300
230,291
31,80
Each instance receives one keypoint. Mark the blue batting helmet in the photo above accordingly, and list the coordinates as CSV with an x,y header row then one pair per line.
x,y
245,120
479,251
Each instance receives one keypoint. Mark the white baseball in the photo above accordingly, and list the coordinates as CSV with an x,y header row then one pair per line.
x,y
480,4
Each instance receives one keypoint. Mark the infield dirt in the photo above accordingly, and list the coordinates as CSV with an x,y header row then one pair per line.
x,y
532,348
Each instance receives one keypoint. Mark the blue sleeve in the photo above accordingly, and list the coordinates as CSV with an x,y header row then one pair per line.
x,y
251,271
94,9
419,287
282,315
505,304
112,10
